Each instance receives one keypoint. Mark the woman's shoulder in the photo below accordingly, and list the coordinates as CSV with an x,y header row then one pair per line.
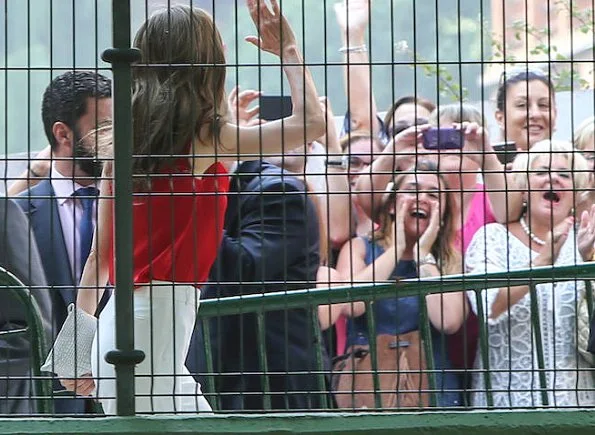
x,y
493,229
214,179
488,236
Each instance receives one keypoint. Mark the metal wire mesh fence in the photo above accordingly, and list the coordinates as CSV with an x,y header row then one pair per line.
x,y
187,246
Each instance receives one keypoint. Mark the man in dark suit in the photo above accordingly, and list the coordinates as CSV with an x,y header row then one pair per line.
x,y
61,208
19,256
270,243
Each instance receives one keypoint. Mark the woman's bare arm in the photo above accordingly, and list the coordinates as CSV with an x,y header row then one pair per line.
x,y
505,198
305,124
352,17
446,311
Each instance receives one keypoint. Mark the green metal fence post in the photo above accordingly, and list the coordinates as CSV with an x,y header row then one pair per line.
x,y
484,348
124,357
262,359
370,317
425,331
536,322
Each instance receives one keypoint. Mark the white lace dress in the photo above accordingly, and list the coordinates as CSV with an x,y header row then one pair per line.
x,y
513,363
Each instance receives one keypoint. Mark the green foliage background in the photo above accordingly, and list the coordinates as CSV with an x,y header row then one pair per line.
x,y
41,38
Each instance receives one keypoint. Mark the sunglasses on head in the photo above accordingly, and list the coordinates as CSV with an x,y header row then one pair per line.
x,y
400,126
517,72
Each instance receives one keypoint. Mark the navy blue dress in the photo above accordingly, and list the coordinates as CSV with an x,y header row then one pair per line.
x,y
402,315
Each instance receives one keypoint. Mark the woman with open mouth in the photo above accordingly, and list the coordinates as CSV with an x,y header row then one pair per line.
x,y
549,176
415,239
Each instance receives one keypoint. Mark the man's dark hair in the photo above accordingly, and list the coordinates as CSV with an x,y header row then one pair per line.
x,y
65,99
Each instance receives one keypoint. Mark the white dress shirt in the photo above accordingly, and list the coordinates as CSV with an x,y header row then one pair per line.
x,y
70,211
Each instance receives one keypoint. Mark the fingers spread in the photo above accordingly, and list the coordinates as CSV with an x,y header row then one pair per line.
x,y
234,93
253,40
276,9
253,9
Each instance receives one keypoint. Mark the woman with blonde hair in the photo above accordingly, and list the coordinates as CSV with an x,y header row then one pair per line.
x,y
544,235
182,128
584,140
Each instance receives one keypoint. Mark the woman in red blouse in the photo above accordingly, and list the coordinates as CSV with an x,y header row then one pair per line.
x,y
179,202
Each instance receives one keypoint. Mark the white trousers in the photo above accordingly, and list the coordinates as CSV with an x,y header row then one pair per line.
x,y
164,317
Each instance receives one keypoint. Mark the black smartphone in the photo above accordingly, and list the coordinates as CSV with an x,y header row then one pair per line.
x,y
443,139
275,107
505,151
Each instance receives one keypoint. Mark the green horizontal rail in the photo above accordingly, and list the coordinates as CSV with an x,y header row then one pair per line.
x,y
411,287
484,423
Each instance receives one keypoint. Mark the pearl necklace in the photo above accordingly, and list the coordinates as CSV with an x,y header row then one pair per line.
x,y
527,231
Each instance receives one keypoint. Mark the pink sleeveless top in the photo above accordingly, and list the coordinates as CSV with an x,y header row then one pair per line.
x,y
462,345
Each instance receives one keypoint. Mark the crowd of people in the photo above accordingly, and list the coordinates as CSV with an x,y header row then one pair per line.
x,y
318,207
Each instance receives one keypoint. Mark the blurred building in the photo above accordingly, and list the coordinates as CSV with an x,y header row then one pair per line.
x,y
546,33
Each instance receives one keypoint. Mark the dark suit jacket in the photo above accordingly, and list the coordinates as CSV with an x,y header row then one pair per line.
x,y
40,204
270,243
19,255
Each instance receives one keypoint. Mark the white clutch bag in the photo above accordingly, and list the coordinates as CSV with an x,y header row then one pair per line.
x,y
71,355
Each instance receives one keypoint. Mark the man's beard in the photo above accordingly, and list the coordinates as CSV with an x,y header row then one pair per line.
x,y
84,159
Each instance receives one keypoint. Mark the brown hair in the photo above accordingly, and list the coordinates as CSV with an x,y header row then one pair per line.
x,y
408,99
519,75
178,87
448,257
457,112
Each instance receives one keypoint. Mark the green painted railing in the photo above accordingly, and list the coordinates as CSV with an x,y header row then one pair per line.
x,y
409,287
452,423
551,422
311,298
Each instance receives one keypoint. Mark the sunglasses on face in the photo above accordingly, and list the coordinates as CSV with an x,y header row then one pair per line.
x,y
518,72
400,126
356,163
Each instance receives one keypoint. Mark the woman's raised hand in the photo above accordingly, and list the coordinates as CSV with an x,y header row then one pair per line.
x,y
352,16
477,142
274,32
406,144
554,242
428,238
586,234
398,239
239,102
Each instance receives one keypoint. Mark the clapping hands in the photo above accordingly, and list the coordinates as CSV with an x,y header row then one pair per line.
x,y
586,234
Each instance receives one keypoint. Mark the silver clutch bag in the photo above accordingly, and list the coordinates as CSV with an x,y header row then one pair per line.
x,y
71,355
